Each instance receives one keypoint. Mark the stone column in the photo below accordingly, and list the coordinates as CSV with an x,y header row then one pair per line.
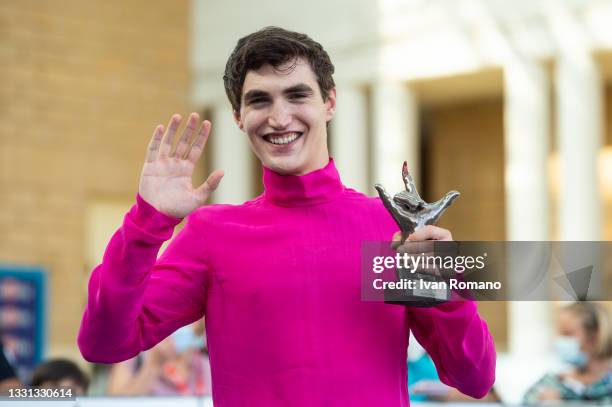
x,y
526,147
231,152
579,127
349,139
579,122
396,134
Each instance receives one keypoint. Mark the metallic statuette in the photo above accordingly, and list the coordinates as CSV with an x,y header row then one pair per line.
x,y
411,213
409,210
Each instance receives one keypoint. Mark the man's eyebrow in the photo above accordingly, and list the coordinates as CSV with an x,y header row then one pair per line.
x,y
252,94
256,93
299,88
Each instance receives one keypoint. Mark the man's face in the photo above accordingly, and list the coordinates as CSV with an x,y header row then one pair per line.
x,y
284,115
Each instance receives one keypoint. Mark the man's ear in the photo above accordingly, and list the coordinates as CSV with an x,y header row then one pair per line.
x,y
237,119
330,104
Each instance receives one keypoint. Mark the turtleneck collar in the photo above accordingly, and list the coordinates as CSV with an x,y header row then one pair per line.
x,y
298,190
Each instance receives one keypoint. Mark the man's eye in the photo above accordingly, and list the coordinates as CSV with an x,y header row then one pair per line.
x,y
297,96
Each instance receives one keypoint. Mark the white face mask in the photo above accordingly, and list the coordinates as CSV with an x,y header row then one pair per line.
x,y
568,350
184,338
415,350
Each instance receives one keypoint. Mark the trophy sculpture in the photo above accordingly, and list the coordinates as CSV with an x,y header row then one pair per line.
x,y
411,213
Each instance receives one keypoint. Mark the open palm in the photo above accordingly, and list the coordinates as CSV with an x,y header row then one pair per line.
x,y
165,181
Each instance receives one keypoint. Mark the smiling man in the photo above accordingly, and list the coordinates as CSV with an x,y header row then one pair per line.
x,y
278,277
283,95
285,117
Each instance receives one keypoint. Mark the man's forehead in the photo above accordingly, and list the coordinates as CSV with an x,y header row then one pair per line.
x,y
270,79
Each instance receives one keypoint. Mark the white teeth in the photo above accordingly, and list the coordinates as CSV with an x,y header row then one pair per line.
x,y
284,139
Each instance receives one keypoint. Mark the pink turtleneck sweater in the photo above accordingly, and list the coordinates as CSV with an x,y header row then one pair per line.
x,y
278,279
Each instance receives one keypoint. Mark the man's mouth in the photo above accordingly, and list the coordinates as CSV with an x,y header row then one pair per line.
x,y
282,139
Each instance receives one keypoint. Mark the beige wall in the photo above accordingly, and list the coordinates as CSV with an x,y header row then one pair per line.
x,y
464,151
83,85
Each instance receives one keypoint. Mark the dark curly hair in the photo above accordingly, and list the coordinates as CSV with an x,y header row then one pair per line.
x,y
275,46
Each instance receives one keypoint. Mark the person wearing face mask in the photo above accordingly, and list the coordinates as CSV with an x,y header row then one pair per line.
x,y
584,345
176,366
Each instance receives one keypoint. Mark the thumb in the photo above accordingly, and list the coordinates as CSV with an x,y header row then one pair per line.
x,y
211,183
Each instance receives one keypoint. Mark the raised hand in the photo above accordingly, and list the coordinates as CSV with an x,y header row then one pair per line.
x,y
165,181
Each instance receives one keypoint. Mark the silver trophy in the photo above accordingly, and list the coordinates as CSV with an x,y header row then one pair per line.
x,y
411,213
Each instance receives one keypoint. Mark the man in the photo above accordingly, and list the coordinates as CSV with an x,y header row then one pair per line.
x,y
277,277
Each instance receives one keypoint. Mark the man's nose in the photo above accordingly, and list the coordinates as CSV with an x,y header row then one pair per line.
x,y
280,116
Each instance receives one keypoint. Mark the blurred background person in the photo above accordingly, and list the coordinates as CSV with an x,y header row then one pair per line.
x,y
584,344
424,383
60,373
176,366
422,375
8,378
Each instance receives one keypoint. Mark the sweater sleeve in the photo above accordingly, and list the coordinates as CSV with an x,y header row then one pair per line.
x,y
459,343
135,301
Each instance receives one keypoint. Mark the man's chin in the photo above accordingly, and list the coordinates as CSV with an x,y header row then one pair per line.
x,y
284,166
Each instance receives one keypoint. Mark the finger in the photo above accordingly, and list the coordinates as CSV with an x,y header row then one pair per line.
x,y
396,240
166,145
211,183
153,149
183,143
199,143
430,232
